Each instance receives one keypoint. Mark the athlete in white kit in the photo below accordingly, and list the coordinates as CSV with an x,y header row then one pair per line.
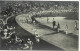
x,y
58,27
66,29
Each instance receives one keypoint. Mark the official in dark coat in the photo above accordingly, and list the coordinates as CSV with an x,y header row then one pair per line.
x,y
54,23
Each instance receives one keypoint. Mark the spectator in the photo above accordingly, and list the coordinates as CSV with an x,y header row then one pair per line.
x,y
5,33
37,37
13,36
11,28
30,43
26,46
5,26
22,41
0,29
9,35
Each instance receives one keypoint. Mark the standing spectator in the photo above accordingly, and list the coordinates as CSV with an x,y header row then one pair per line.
x,y
37,37
5,33
30,43
54,23
66,28
58,27
5,26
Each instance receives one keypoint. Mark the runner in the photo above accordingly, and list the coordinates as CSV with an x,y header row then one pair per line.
x,y
66,28
58,27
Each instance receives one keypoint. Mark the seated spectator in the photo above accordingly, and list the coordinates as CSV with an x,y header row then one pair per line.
x,y
30,43
18,40
5,26
9,35
26,46
22,41
13,37
11,28
37,38
0,29
5,30
5,33
2,33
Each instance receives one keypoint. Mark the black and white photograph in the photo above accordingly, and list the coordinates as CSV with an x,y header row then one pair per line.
x,y
39,25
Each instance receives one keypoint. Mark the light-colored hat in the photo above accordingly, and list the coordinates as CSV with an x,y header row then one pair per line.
x,y
28,38
5,30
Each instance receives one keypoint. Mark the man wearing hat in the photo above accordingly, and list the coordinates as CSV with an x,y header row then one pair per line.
x,y
30,43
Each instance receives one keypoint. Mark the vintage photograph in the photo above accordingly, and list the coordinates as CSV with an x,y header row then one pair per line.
x,y
39,25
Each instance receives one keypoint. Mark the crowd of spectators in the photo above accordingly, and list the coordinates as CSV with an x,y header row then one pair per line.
x,y
16,7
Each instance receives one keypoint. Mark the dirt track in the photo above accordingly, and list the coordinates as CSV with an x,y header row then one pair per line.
x,y
66,42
